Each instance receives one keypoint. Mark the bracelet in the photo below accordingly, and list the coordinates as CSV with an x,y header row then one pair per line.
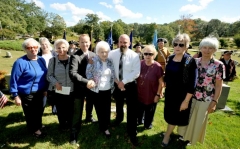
x,y
158,95
215,100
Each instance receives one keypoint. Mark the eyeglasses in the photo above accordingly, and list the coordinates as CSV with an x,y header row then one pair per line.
x,y
178,44
150,54
29,48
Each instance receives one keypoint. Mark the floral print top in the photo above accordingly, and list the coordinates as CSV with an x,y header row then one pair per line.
x,y
207,76
94,72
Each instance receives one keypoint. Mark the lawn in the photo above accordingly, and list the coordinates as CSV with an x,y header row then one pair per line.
x,y
223,130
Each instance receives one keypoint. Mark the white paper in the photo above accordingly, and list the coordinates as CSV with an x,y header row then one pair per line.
x,y
64,91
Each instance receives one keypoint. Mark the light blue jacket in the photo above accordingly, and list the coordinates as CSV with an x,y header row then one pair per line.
x,y
94,72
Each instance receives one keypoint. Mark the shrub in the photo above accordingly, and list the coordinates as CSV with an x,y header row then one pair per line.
x,y
237,40
223,43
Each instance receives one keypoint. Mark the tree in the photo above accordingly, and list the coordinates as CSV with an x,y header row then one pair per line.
x,y
187,24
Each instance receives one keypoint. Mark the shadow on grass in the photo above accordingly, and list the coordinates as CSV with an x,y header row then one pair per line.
x,y
236,106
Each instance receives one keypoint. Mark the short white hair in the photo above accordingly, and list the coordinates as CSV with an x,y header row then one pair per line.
x,y
25,42
58,41
102,45
209,42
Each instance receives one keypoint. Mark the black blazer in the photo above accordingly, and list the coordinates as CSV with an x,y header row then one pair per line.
x,y
77,70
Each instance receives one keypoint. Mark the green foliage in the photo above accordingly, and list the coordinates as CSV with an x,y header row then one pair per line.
x,y
223,43
237,40
7,34
11,45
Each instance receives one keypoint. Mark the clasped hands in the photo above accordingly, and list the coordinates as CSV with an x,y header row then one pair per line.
x,y
90,84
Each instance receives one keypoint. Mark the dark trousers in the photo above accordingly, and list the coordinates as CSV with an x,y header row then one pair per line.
x,y
102,104
64,105
130,94
148,112
89,107
32,106
78,103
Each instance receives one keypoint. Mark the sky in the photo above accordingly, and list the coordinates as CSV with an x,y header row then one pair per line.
x,y
142,11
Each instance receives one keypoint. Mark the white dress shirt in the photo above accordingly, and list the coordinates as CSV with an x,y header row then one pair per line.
x,y
131,64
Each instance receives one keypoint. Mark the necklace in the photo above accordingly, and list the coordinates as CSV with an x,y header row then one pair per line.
x,y
143,78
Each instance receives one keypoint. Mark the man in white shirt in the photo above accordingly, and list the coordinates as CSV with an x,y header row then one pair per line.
x,y
126,87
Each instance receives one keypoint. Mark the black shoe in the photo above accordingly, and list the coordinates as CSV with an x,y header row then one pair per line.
x,y
73,138
134,141
149,127
91,120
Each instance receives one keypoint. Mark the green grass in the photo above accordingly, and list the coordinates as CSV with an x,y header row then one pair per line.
x,y
223,129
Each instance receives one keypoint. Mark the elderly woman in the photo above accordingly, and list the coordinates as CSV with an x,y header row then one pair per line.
x,y
180,79
46,50
28,85
149,86
58,77
103,74
208,89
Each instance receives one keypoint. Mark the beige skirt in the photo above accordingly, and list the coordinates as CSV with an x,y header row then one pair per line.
x,y
196,129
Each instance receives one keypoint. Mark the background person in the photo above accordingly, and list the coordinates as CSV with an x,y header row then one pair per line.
x,y
103,74
28,85
180,79
58,77
230,69
163,53
138,49
127,69
72,47
209,86
149,84
77,70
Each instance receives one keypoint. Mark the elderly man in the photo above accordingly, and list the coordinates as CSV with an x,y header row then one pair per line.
x,y
163,53
127,68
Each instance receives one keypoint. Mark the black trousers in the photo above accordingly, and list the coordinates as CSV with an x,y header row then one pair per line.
x,y
89,107
64,105
130,94
102,104
32,106
148,112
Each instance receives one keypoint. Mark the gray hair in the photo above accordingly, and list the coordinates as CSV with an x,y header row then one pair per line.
x,y
209,42
102,45
152,48
58,41
183,38
25,42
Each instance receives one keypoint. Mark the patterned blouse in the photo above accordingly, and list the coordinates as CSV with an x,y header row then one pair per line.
x,y
207,76
94,72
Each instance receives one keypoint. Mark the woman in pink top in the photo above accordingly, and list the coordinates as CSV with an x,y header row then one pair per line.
x,y
211,73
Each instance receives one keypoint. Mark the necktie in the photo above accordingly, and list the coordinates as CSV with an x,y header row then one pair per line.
x,y
121,67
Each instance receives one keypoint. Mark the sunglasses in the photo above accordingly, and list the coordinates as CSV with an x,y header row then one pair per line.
x,y
150,54
29,48
178,44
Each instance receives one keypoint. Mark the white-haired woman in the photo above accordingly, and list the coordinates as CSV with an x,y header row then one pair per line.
x,y
28,85
180,80
46,50
58,77
103,74
211,73
149,85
